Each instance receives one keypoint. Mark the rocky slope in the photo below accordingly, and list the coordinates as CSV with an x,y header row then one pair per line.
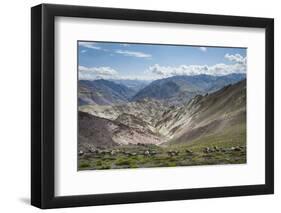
x,y
100,133
153,122
103,92
205,115
148,110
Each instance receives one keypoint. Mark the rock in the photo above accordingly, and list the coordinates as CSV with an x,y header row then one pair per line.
x,y
92,150
87,155
237,149
81,153
107,151
127,153
188,151
131,153
146,153
170,153
153,152
209,150
206,150
173,153
216,149
222,150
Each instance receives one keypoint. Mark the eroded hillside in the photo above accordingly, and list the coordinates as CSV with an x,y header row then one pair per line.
x,y
152,121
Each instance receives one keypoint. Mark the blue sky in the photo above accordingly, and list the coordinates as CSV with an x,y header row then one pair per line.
x,y
149,62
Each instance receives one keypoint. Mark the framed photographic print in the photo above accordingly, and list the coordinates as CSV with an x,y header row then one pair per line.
x,y
139,106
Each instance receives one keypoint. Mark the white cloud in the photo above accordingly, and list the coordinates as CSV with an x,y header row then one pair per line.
x,y
239,65
133,53
90,45
94,73
93,45
91,73
237,58
203,49
217,69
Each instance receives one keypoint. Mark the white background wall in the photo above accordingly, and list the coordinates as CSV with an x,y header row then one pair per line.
x,y
15,105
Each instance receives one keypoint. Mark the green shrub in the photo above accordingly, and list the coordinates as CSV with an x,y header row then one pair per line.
x,y
122,162
84,165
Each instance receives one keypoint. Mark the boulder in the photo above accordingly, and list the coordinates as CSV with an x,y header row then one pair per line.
x,y
81,153
216,149
206,150
237,149
173,153
146,153
188,151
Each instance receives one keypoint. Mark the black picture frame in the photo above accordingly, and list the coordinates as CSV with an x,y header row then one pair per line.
x,y
43,102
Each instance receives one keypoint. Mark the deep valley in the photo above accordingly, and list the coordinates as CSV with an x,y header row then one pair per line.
x,y
176,121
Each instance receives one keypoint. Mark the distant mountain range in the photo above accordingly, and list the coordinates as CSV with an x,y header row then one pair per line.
x,y
103,92
218,115
135,85
177,89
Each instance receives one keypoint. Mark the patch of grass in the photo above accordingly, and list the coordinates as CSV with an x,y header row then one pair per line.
x,y
84,165
171,164
236,136
126,161
122,162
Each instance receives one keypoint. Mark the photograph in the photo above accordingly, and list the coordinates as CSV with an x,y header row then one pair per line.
x,y
160,105
139,105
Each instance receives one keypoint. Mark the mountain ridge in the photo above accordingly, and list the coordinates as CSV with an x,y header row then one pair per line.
x,y
150,121
103,92
178,88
